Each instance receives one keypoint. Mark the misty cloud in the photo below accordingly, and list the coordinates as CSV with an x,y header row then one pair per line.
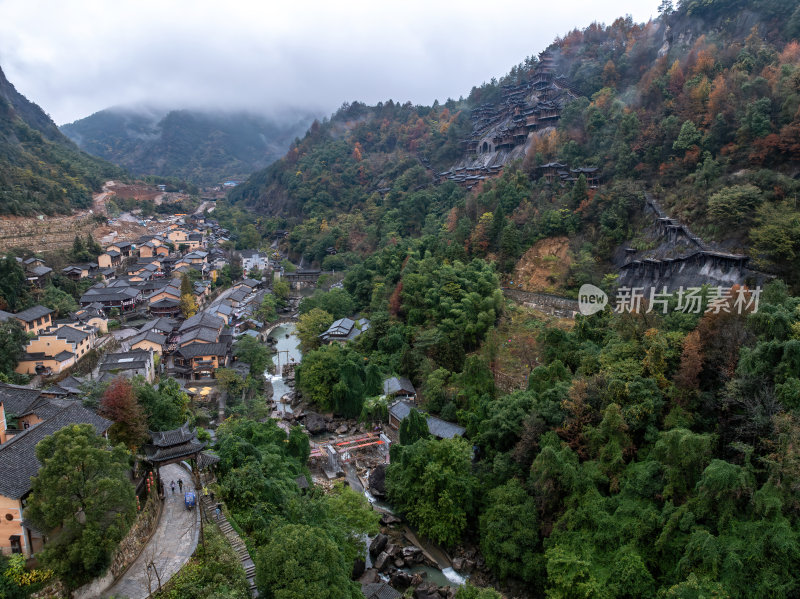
x,y
75,58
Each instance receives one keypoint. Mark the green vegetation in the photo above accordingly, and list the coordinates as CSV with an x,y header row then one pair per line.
x,y
305,542
214,571
83,516
200,147
41,171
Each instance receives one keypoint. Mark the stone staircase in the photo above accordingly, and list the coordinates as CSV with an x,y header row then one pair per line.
x,y
235,540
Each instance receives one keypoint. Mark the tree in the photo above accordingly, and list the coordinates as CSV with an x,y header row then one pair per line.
x,y
119,405
12,344
83,499
310,326
337,302
61,302
468,591
510,532
413,428
431,483
280,289
166,407
266,311
186,285
251,351
735,205
688,137
302,561
13,285
188,305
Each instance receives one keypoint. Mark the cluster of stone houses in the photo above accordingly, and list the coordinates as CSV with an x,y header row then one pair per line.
x,y
141,279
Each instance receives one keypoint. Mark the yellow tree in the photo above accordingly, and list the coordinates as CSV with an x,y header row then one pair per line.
x,y
188,305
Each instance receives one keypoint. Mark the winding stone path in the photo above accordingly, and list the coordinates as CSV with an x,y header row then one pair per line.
x,y
171,545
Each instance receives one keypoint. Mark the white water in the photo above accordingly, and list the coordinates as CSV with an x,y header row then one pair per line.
x,y
288,351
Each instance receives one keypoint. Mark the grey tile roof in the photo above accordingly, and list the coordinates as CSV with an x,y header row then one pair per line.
x,y
202,319
18,461
165,325
33,313
436,426
203,349
16,399
151,336
175,436
345,329
380,590
40,271
443,429
70,334
395,384
125,360
200,334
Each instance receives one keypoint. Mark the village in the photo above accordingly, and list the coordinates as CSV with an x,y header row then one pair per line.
x,y
132,322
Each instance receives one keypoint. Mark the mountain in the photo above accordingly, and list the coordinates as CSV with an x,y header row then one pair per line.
x,y
41,171
202,147
697,109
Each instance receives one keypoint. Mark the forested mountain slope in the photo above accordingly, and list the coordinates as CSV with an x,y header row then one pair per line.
x,y
41,171
700,107
203,147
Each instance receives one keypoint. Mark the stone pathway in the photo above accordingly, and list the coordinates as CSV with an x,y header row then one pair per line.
x,y
171,545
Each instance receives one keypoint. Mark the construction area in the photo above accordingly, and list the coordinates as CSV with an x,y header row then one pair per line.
x,y
355,453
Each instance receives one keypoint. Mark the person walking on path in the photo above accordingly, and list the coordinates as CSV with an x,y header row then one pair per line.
x,y
180,484
172,486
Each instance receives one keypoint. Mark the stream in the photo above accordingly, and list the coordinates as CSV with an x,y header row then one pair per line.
x,y
444,575
288,351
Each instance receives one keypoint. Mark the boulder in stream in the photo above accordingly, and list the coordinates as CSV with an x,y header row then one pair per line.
x,y
315,423
377,545
382,561
358,568
377,482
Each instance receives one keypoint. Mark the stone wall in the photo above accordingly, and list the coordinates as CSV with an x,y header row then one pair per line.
x,y
49,232
128,550
554,305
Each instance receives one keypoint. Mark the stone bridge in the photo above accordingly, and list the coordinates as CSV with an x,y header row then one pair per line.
x,y
274,325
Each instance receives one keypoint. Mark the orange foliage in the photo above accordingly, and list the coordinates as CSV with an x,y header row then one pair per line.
x,y
688,373
675,79
790,53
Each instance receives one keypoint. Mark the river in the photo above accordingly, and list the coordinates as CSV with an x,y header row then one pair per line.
x,y
288,351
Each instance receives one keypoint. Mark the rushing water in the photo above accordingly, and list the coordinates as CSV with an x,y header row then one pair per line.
x,y
442,578
288,350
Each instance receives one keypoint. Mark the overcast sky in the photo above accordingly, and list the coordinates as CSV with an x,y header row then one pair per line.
x,y
75,57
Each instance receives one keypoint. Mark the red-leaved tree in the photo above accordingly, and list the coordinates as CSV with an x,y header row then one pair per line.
x,y
119,404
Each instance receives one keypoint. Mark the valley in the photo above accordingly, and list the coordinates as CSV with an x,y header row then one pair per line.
x,y
541,341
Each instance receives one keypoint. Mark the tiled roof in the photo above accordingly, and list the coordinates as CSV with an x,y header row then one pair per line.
x,y
151,336
200,334
125,360
380,590
18,461
175,436
436,426
41,270
395,384
70,334
202,319
33,313
165,325
16,399
203,349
